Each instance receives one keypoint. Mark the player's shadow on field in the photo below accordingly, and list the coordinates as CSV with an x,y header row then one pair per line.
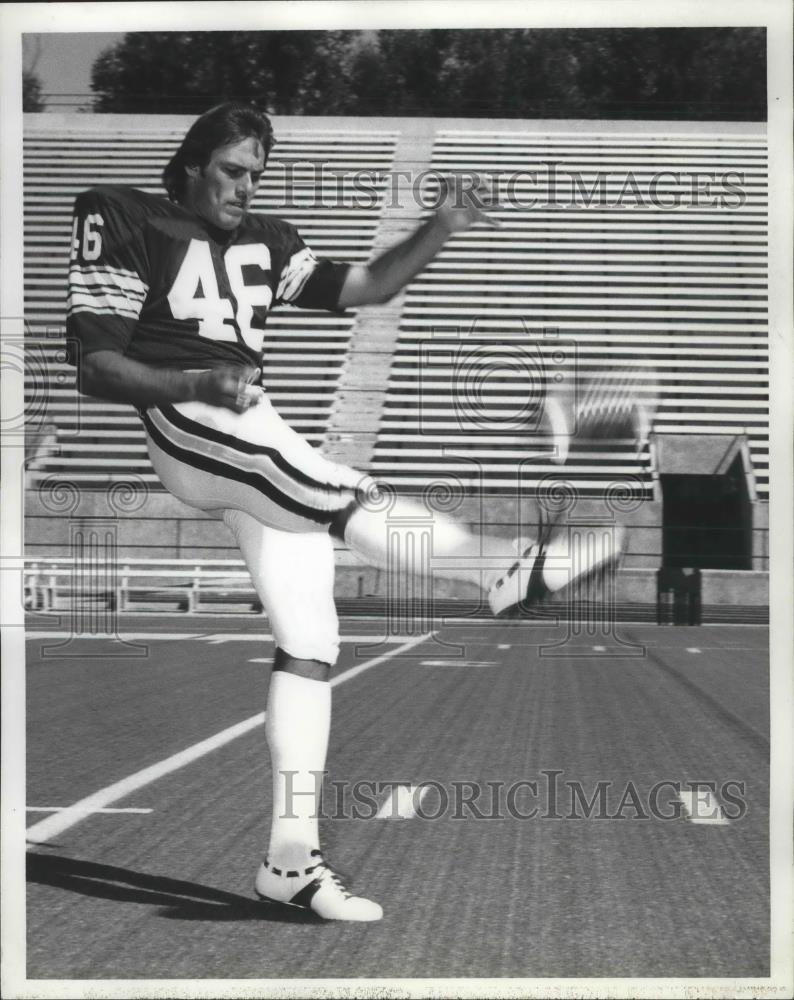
x,y
180,900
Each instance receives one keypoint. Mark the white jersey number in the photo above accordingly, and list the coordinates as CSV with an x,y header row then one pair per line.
x,y
91,244
195,295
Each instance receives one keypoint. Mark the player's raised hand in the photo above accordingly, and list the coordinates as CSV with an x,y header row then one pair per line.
x,y
465,201
229,387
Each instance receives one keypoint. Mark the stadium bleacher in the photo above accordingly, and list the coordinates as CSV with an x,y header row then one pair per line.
x,y
587,272
309,181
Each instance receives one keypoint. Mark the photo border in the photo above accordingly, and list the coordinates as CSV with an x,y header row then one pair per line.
x,y
775,15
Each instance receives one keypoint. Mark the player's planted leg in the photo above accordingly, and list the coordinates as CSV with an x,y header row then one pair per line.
x,y
293,575
297,727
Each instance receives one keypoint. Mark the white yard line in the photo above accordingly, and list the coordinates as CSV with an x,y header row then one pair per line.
x,y
56,824
703,807
352,672
212,638
55,809
458,663
403,802
30,636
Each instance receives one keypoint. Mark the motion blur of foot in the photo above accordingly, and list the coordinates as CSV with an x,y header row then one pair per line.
x,y
568,559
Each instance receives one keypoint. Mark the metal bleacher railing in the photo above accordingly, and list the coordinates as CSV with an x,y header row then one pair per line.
x,y
627,245
310,180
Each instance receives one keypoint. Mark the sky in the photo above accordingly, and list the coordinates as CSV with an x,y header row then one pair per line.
x,y
64,64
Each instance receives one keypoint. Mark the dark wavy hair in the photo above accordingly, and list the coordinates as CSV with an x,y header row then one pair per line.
x,y
220,126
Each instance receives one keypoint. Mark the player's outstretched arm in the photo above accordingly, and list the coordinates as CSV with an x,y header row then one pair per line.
x,y
110,375
383,277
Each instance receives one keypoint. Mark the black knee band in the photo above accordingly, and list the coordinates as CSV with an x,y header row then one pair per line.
x,y
338,523
316,670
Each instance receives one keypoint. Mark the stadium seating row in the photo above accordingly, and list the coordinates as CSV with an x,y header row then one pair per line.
x,y
644,245
311,179
615,248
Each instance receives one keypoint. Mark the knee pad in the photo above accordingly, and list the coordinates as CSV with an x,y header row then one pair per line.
x,y
316,670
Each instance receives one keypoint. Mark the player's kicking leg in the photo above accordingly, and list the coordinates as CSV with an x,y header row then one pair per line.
x,y
511,571
525,571
285,482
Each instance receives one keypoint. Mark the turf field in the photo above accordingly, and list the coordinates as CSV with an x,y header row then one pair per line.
x,y
547,821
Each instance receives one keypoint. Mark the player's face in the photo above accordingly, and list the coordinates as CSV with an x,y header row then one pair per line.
x,y
221,192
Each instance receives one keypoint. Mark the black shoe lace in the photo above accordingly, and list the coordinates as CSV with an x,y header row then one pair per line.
x,y
325,872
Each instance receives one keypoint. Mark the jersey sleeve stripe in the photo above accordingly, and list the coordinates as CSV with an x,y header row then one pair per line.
x,y
126,281
135,298
295,274
123,272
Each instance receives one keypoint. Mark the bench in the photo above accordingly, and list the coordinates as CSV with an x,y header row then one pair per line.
x,y
140,585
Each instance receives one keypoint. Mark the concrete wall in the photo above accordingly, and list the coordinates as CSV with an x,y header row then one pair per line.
x,y
160,527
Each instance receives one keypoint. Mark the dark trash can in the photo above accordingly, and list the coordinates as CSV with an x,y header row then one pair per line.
x,y
678,596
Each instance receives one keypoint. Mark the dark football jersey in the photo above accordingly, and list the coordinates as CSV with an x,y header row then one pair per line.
x,y
152,280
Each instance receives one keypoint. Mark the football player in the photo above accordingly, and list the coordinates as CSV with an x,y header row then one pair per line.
x,y
168,299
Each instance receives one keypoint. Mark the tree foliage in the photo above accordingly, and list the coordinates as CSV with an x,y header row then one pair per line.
x,y
32,99
664,73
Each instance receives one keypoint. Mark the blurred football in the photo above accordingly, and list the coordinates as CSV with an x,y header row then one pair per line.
x,y
617,406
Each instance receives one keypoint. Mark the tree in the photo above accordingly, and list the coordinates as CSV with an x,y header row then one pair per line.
x,y
286,72
655,73
32,99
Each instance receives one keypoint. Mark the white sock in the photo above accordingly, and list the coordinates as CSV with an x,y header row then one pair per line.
x,y
297,727
399,539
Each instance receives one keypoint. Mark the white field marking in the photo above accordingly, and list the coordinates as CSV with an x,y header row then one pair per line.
x,y
579,647
352,672
110,638
55,809
343,639
403,802
56,824
517,623
503,645
703,807
730,625
212,639
458,663
701,649
372,638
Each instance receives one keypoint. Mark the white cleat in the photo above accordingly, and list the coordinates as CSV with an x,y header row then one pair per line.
x,y
523,581
317,888
568,559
